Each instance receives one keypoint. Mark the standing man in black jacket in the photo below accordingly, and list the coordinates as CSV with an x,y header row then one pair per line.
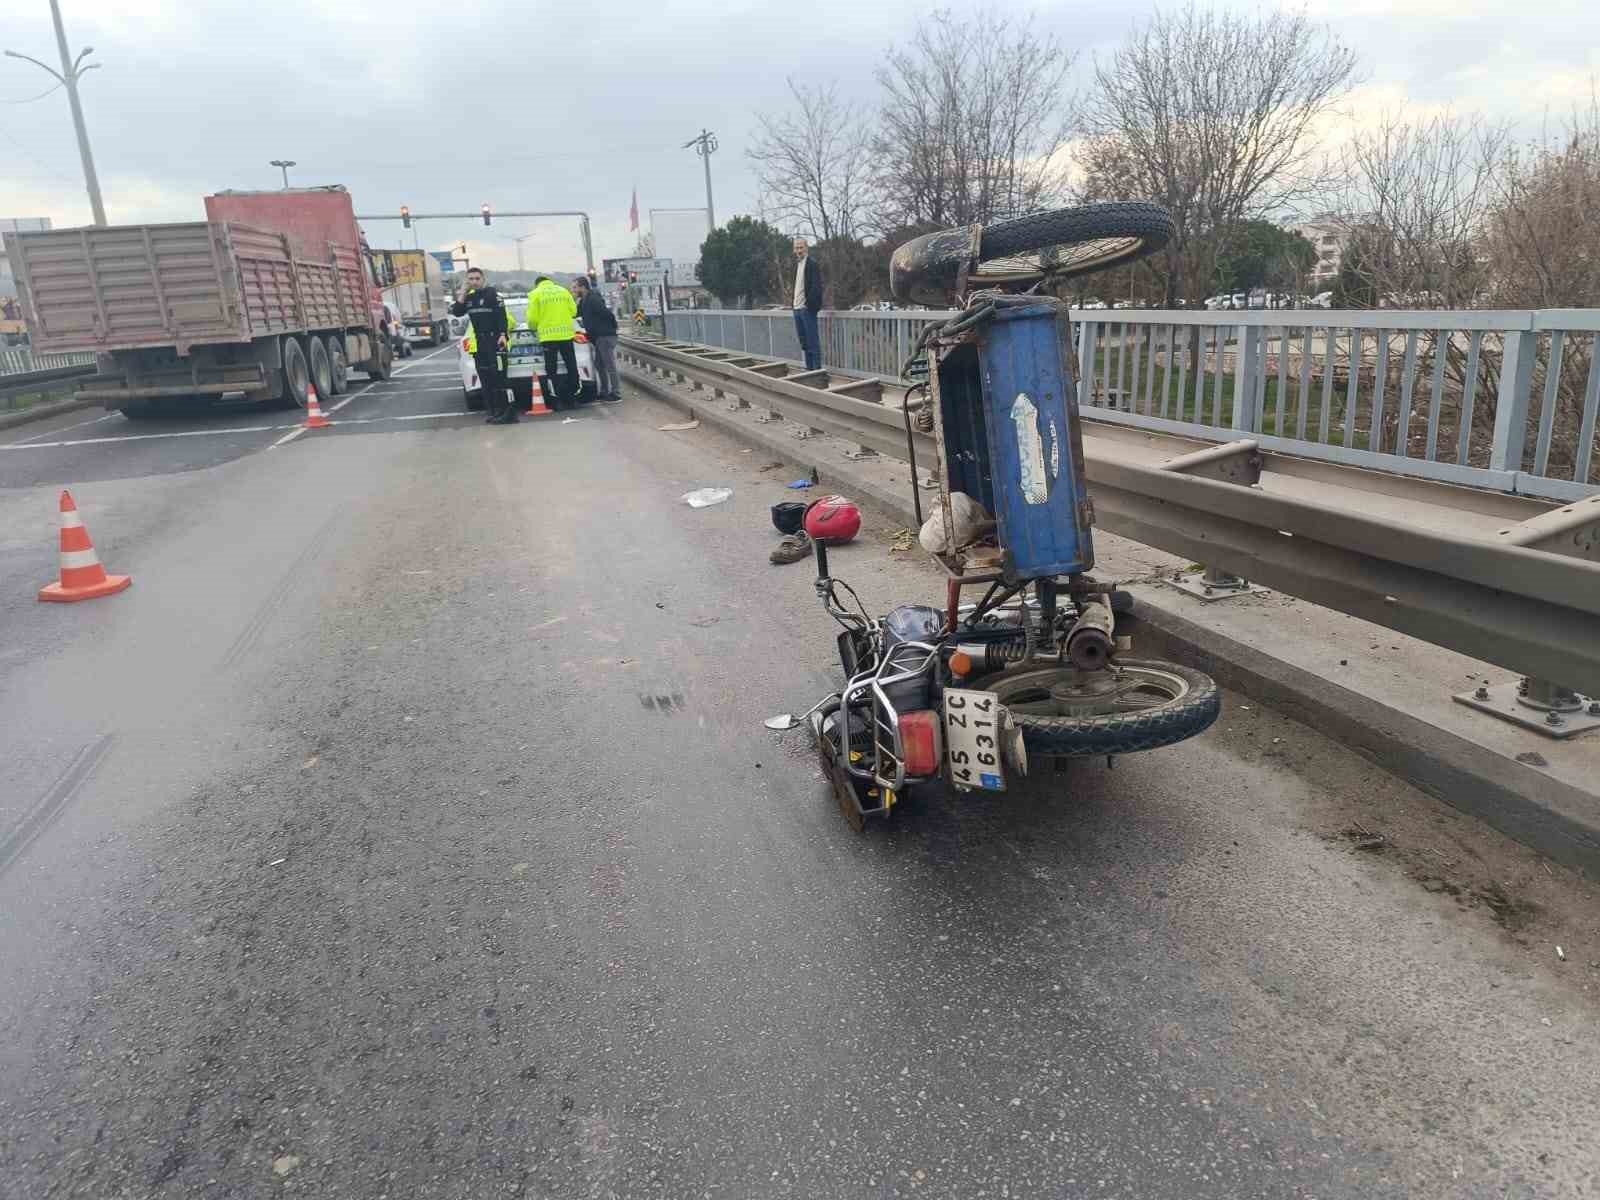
x,y
807,303
600,326
490,327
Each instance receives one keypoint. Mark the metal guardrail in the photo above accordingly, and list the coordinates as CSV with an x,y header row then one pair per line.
x,y
1502,400
20,360
29,381
1513,581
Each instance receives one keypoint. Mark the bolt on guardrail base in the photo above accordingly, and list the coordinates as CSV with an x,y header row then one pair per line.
x,y
770,417
1237,463
860,453
1213,583
1536,704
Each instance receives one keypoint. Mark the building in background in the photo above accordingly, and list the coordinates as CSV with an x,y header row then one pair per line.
x,y
1329,234
8,283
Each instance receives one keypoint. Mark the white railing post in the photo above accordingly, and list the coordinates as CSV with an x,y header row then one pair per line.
x,y
1511,404
1244,372
1086,355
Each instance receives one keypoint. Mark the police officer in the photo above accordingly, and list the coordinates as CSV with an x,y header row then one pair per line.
x,y
490,326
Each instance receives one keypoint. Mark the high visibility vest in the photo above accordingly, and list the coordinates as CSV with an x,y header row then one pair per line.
x,y
551,312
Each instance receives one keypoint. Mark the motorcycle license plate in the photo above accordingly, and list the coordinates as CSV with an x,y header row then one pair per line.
x,y
972,732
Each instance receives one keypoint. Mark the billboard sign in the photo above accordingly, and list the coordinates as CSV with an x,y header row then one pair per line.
x,y
647,270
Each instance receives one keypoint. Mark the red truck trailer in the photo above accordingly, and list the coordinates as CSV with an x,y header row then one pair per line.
x,y
272,293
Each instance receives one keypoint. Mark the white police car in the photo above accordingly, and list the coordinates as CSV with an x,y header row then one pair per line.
x,y
525,358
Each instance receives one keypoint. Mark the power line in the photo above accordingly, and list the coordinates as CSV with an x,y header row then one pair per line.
x,y
40,96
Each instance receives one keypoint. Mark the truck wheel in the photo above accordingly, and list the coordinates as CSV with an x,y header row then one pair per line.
x,y
381,365
338,365
321,366
296,374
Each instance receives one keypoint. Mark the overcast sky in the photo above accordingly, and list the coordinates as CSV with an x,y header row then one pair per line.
x,y
539,105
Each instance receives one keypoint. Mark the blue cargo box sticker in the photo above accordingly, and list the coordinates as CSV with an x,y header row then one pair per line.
x,y
1030,451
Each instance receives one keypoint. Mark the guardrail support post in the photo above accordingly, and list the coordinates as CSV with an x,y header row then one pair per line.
x,y
1238,463
1544,705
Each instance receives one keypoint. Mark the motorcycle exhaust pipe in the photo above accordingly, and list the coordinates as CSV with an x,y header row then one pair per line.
x,y
1089,641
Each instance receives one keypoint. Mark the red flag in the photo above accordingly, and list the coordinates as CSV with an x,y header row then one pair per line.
x,y
633,212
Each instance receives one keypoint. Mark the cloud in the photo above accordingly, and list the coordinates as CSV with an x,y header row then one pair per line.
x,y
558,106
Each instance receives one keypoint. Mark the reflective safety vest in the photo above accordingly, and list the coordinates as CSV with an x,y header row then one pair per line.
x,y
472,334
551,312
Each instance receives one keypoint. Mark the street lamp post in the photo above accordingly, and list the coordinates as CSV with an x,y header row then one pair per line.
x,y
283,164
72,70
705,146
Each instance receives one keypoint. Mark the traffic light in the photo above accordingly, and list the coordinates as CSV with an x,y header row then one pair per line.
x,y
405,215
485,211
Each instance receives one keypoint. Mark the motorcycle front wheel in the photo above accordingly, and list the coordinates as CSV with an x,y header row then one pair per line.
x,y
1131,705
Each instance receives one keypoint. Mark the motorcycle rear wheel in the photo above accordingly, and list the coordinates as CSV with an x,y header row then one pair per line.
x,y
1135,704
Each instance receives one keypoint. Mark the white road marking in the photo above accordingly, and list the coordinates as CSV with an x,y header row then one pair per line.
x,y
293,429
143,437
397,371
66,428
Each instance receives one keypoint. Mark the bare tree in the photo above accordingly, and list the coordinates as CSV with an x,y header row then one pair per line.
x,y
1540,243
811,165
974,118
1418,194
1544,224
1212,114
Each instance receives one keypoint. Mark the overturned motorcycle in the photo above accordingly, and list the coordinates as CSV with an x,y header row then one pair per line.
x,y
1038,667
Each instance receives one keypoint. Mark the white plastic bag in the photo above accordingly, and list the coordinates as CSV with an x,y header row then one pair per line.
x,y
706,497
967,515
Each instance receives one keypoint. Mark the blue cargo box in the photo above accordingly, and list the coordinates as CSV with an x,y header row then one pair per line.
x,y
1041,500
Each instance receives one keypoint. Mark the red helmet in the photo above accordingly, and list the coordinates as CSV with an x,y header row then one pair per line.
x,y
833,519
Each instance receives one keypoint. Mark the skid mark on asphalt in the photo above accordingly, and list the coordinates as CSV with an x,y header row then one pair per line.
x,y
54,802
273,603
669,702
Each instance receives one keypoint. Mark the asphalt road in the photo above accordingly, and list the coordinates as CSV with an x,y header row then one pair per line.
x,y
409,829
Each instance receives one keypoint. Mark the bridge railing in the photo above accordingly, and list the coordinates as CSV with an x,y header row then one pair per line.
x,y
1501,399
19,360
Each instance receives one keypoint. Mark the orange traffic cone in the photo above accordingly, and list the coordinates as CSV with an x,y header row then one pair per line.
x,y
82,576
314,417
538,408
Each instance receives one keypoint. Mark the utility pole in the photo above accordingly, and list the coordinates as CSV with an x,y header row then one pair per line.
x,y
73,69
283,164
705,146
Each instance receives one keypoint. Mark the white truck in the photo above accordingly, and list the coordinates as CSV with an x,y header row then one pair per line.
x,y
418,296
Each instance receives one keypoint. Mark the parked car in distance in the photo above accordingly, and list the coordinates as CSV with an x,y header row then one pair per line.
x,y
1322,300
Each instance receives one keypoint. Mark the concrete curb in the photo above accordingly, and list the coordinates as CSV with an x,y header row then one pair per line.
x,y
39,412
1543,813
